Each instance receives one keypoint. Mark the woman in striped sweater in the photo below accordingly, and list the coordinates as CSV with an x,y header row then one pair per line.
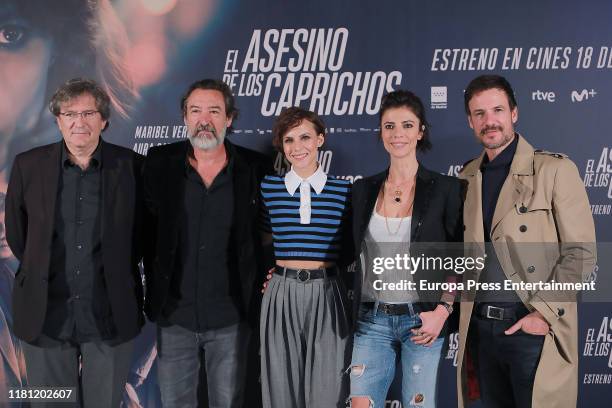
x,y
304,318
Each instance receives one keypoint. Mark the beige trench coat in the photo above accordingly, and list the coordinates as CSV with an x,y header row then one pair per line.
x,y
544,193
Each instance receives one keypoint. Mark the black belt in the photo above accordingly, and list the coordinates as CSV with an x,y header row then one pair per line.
x,y
395,309
486,311
305,275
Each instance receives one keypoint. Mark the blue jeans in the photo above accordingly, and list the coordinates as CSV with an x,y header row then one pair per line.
x,y
379,340
178,368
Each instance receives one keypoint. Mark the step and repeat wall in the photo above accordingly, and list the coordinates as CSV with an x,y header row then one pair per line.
x,y
337,58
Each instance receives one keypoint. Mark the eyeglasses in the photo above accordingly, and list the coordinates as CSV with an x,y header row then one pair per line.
x,y
86,115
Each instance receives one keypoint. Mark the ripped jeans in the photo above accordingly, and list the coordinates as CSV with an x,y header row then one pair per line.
x,y
379,339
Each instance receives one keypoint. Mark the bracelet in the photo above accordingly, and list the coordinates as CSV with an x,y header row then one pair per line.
x,y
449,308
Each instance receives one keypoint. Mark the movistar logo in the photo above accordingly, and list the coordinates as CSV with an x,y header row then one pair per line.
x,y
585,94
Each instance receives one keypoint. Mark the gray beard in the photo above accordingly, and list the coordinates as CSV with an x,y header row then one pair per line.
x,y
206,143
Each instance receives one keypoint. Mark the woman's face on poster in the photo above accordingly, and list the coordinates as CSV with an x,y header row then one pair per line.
x,y
25,56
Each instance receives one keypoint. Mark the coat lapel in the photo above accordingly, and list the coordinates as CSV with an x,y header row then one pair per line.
x,y
372,190
242,190
174,185
110,182
364,209
422,194
49,180
472,210
518,184
508,196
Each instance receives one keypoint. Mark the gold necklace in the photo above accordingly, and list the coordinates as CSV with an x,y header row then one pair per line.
x,y
399,226
397,191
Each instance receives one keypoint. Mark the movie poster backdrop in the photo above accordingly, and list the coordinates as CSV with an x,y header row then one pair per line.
x,y
337,58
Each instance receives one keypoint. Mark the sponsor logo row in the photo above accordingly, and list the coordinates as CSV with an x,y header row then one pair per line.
x,y
575,95
439,96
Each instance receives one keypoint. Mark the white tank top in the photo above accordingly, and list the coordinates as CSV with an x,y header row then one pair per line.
x,y
386,239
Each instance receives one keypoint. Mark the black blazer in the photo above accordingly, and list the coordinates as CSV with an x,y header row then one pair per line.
x,y
437,215
164,192
30,215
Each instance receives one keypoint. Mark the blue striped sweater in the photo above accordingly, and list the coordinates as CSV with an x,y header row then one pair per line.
x,y
318,241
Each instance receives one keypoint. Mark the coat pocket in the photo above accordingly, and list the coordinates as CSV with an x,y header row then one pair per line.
x,y
537,204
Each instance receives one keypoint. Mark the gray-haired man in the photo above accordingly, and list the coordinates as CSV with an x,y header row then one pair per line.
x,y
72,221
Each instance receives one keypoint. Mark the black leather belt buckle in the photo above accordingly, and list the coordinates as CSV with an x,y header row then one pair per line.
x,y
306,275
303,275
496,313
393,309
386,308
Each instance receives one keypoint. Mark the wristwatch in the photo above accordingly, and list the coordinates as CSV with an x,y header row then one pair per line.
x,y
449,308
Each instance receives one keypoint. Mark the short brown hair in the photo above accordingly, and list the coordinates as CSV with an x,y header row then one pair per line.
x,y
76,87
484,83
290,118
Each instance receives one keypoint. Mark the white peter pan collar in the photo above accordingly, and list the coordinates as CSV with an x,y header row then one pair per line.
x,y
317,180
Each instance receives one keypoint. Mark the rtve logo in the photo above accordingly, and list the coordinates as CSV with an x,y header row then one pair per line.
x,y
585,94
548,96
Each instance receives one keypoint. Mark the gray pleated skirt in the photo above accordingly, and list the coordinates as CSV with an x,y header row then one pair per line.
x,y
305,343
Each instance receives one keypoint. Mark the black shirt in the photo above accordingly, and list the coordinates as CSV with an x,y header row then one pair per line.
x,y
199,296
494,174
78,306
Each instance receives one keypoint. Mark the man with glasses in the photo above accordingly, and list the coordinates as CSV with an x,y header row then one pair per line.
x,y
72,220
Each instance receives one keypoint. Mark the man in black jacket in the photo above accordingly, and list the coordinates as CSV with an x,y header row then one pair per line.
x,y
202,196
72,220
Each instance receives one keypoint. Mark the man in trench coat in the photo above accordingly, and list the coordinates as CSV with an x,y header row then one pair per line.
x,y
532,208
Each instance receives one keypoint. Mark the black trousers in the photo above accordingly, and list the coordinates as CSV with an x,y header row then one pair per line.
x,y
506,364
95,370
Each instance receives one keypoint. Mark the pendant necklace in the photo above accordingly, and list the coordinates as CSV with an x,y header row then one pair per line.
x,y
397,192
397,200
